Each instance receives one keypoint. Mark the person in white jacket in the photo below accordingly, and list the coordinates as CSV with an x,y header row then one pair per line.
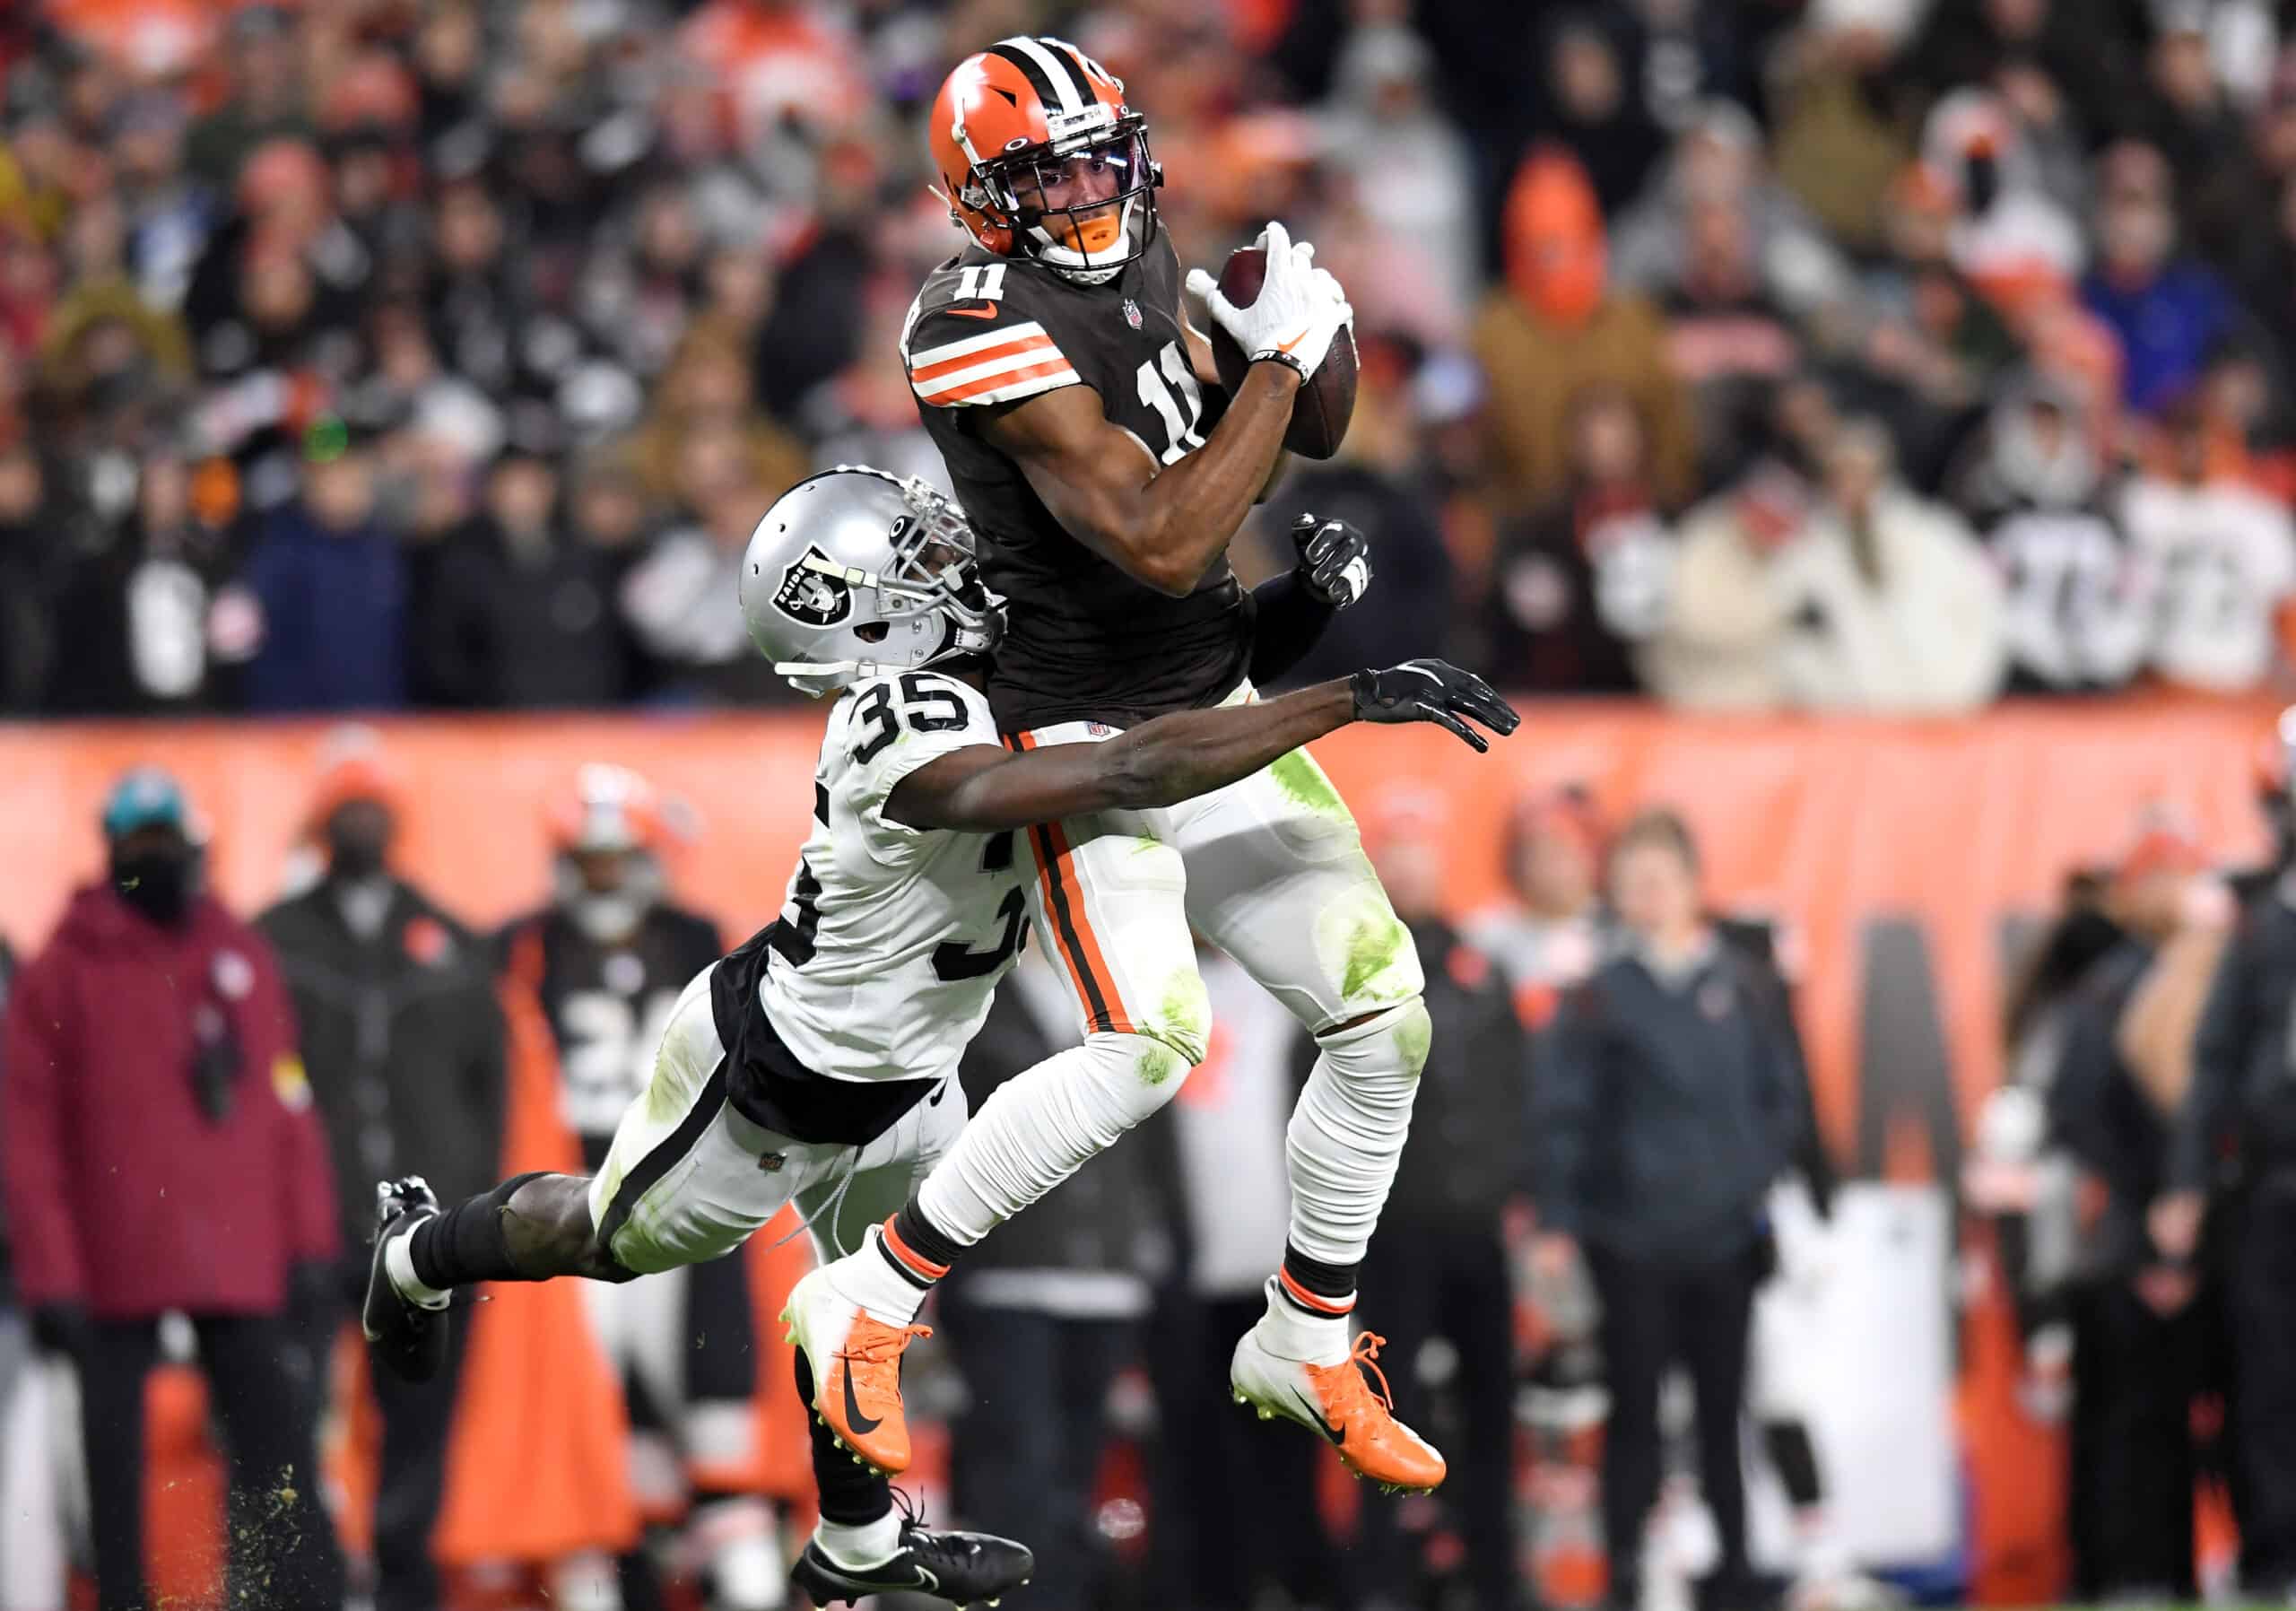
x,y
1868,598
1890,604
1722,644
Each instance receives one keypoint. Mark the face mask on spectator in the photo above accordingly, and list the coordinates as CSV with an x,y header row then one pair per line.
x,y
356,852
156,882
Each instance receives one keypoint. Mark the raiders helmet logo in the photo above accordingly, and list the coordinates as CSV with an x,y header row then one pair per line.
x,y
809,597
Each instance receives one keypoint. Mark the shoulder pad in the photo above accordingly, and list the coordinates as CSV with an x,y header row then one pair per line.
x,y
972,338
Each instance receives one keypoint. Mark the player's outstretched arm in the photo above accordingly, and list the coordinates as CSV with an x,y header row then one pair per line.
x,y
1189,753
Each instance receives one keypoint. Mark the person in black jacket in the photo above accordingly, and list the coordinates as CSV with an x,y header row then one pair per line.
x,y
147,618
521,613
2147,1340
1439,1267
2231,1172
1580,582
32,520
404,1041
1665,1105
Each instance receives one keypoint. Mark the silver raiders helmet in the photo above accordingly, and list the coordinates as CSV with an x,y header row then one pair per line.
x,y
854,573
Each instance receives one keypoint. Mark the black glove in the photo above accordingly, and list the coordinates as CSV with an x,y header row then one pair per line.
x,y
1334,560
61,1328
1432,691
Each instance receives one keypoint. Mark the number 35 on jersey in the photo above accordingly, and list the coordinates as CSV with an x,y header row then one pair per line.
x,y
904,929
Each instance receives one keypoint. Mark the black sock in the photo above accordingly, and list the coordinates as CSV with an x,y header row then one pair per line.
x,y
1796,1460
918,1248
1314,1287
851,1494
466,1243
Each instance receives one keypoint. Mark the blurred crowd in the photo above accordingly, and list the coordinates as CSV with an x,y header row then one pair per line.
x,y
1874,354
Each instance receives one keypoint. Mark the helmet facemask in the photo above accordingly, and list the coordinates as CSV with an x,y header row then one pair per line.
x,y
1084,205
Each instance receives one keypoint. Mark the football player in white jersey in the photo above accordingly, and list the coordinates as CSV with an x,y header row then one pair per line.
x,y
816,1063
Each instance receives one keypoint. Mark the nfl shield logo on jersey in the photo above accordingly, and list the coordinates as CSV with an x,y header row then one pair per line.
x,y
812,596
1132,313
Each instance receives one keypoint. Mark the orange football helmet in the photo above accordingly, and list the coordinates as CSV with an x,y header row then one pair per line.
x,y
1040,158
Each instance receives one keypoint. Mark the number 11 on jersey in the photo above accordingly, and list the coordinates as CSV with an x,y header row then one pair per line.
x,y
1179,405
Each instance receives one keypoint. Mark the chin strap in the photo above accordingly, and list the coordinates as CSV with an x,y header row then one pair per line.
x,y
816,678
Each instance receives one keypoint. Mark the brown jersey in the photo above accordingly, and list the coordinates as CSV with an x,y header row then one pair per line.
x,y
1083,641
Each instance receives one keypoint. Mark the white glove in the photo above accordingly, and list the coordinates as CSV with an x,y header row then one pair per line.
x,y
1298,310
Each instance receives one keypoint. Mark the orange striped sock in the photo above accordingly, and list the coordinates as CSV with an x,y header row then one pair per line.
x,y
1316,1288
903,1233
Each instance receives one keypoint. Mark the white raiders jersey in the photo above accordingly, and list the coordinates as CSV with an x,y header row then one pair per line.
x,y
2080,602
2225,557
893,938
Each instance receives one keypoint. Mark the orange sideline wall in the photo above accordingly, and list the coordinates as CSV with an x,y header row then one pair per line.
x,y
1823,820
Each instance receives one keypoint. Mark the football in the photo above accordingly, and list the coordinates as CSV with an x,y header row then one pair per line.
x,y
1320,412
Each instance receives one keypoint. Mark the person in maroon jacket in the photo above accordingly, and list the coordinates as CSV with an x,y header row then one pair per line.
x,y
160,1155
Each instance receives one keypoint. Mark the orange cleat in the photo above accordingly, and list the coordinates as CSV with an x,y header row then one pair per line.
x,y
856,1364
1337,1403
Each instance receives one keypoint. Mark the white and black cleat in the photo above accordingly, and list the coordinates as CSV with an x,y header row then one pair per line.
x,y
964,1569
405,1338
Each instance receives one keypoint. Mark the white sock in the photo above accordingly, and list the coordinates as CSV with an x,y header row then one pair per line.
x,y
1290,1332
858,1548
398,1264
1347,1132
866,1278
1040,1126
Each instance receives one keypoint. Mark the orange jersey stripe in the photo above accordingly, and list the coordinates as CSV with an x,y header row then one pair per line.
x,y
966,361
1093,958
1073,925
1056,365
1060,936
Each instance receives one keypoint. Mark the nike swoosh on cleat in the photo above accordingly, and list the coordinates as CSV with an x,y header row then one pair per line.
x,y
986,311
1336,1434
854,1419
923,1579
